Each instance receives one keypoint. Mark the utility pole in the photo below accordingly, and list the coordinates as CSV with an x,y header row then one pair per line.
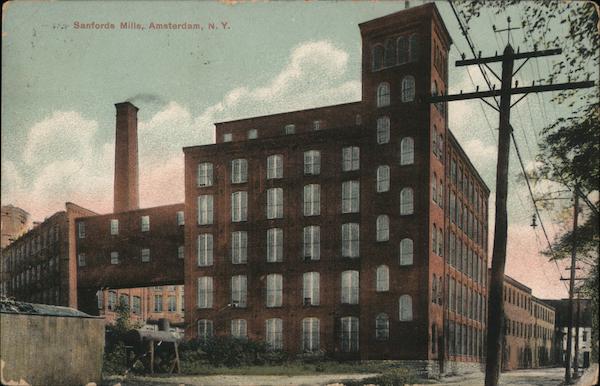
x,y
495,295
576,359
572,288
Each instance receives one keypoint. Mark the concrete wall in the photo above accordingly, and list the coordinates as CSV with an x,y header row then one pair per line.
x,y
50,350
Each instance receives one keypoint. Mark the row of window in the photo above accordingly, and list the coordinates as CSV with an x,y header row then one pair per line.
x,y
144,225
395,51
19,251
467,187
461,215
407,92
465,340
34,274
350,246
466,302
349,284
115,259
525,330
465,260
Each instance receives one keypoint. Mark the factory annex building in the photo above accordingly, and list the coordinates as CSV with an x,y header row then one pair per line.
x,y
357,229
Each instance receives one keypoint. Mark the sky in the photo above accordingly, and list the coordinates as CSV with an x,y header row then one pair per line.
x,y
60,84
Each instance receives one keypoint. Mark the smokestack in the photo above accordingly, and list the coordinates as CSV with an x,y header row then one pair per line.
x,y
126,188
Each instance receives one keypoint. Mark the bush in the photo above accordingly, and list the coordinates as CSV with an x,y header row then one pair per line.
x,y
394,377
115,359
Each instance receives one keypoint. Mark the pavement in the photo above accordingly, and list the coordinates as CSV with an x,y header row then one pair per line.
x,y
536,377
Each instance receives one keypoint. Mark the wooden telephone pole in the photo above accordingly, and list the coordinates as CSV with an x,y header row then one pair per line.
x,y
495,301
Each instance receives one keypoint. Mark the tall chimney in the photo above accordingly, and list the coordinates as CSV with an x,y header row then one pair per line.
x,y
126,159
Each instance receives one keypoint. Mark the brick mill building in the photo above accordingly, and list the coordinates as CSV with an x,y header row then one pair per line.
x,y
358,229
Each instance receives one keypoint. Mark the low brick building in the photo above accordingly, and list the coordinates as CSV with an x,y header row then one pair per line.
x,y
358,229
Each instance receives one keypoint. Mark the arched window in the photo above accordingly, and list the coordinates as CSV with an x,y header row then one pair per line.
x,y
434,289
407,151
434,195
382,278
434,239
413,50
383,178
406,252
383,130
383,94
402,44
405,308
406,201
382,327
408,88
390,53
383,228
377,57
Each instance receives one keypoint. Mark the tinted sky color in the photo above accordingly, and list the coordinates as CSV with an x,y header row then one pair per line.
x,y
59,85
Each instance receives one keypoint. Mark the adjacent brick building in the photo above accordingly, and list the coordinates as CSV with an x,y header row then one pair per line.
x,y
358,229
15,222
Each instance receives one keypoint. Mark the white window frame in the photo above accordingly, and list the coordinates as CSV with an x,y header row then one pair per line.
x,y
114,258
274,333
349,334
310,334
311,288
274,245
145,223
81,260
406,251
205,250
205,209
383,130
312,200
312,162
145,255
205,292
405,311
407,201
239,247
274,203
239,291
81,230
239,171
205,330
383,94
351,240
239,328
350,158
382,278
181,252
114,227
383,178
382,326
274,290
351,196
382,227
350,285
408,88
274,166
252,134
312,242
205,174
239,206
407,151
227,137
289,129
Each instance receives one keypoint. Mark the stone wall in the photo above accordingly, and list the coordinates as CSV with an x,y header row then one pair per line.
x,y
51,350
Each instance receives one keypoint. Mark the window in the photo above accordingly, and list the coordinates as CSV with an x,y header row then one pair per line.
x,y
440,198
383,95
312,200
114,257
274,333
158,303
274,245
180,252
310,288
349,334
145,255
350,196
350,287
312,162
402,44
434,188
274,166
350,240
434,239
252,134
390,53
172,303
382,327
145,223
112,300
274,290
205,210
312,242
205,174
383,228
239,290
310,334
434,289
239,171
180,218
227,137
136,306
274,203
81,230
408,88
378,53
413,45
440,242
383,178
239,247
81,259
316,125
239,206
100,299
407,151
205,292
406,201
239,328
205,330
406,252
289,129
382,278
350,158
114,227
405,308
205,250
383,130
